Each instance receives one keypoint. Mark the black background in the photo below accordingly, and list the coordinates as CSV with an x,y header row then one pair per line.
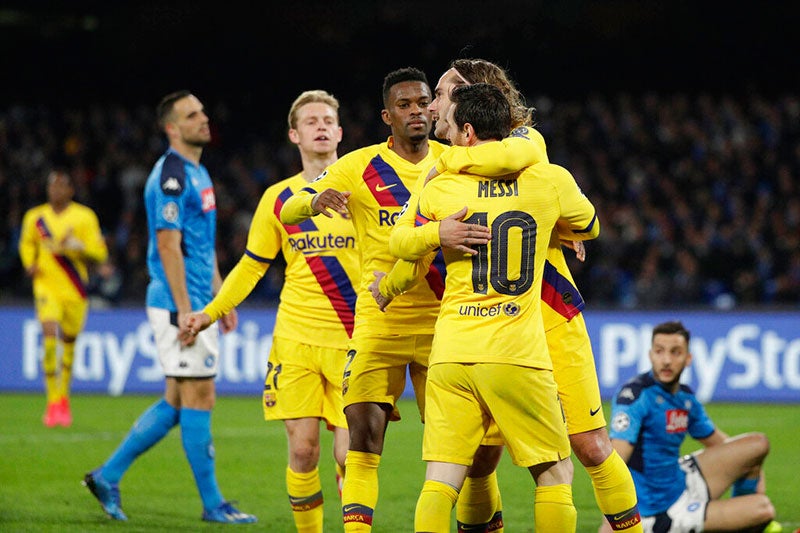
x,y
262,54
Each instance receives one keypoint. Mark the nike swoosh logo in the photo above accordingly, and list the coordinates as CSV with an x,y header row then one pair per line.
x,y
350,508
593,412
379,188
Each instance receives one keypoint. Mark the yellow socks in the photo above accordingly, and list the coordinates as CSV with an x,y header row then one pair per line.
x,y
66,367
360,490
305,496
616,494
553,509
479,507
50,367
434,506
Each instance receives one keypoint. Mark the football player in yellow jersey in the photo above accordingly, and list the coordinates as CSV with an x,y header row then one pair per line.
x,y
568,340
59,239
304,377
489,360
372,184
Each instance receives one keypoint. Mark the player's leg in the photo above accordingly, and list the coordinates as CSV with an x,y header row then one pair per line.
x,y
302,474
524,403
738,457
455,423
49,312
332,366
479,506
579,393
373,380
72,324
52,385
553,507
749,513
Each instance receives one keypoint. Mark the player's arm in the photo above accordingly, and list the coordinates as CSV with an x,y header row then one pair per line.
x,y
496,159
168,244
330,191
93,243
578,220
716,438
28,248
623,448
263,244
412,240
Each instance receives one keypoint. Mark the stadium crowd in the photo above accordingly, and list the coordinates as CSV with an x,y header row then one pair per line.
x,y
698,195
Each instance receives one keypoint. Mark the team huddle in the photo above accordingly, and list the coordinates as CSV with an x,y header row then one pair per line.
x,y
445,263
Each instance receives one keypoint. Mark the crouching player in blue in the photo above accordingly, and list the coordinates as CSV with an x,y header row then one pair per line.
x,y
651,415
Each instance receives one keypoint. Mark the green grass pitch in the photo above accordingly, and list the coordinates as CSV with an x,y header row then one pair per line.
x,y
41,469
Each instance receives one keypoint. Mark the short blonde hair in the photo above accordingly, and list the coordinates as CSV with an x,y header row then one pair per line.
x,y
310,97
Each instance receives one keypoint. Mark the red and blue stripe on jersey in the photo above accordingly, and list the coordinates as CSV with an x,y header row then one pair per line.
x,y
64,262
559,293
384,183
328,270
437,272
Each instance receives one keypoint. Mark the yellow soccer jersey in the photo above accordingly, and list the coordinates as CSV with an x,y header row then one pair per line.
x,y
62,272
524,147
318,298
380,182
491,309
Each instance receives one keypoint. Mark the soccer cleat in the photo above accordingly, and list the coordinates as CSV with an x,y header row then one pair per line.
x,y
106,493
773,527
63,413
226,513
50,418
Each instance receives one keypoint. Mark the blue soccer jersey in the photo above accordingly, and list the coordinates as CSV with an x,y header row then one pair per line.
x,y
179,196
656,422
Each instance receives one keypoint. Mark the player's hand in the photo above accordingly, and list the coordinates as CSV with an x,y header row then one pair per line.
x,y
460,236
374,288
578,247
189,325
228,323
70,243
330,199
432,174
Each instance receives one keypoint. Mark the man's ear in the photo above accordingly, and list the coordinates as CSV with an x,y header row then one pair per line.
x,y
469,133
385,116
293,136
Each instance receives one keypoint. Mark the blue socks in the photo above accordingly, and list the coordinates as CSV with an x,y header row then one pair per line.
x,y
152,426
743,486
196,437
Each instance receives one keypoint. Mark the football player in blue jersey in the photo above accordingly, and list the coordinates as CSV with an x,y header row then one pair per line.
x,y
181,259
651,416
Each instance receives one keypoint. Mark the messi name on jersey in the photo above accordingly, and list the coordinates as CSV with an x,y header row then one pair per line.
x,y
497,188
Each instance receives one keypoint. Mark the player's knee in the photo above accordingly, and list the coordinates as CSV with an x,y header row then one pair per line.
x,y
763,509
485,461
304,456
592,447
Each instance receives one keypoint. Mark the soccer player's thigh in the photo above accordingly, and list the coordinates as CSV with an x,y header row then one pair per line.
x,y
524,403
332,363
418,369
455,422
375,371
200,360
575,375
74,317
48,308
293,387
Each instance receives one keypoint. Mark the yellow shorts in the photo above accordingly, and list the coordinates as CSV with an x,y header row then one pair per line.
x,y
575,375
304,381
463,399
70,314
376,369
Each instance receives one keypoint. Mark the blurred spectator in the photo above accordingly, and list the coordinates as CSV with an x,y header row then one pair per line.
x,y
698,194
